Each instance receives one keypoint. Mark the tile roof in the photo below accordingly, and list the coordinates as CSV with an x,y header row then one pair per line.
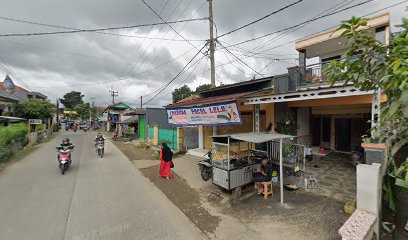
x,y
209,100
17,88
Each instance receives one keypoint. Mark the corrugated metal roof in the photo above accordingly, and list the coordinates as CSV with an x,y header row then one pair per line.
x,y
255,137
209,100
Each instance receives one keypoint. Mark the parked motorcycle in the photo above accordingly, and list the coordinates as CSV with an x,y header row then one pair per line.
x,y
100,148
357,155
205,167
64,157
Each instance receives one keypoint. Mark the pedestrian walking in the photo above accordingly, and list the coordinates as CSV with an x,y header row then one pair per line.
x,y
166,160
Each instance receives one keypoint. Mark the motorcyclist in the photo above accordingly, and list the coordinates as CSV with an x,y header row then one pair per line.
x,y
66,143
99,138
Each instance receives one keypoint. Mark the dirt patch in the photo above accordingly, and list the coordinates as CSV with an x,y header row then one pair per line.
x,y
185,198
305,212
132,152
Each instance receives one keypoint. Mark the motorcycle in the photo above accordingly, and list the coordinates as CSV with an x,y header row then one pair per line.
x,y
205,167
85,128
357,155
100,147
75,128
64,157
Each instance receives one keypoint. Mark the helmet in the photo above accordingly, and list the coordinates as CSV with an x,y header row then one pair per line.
x,y
66,140
99,135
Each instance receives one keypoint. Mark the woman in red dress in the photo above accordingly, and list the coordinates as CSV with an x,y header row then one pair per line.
x,y
166,157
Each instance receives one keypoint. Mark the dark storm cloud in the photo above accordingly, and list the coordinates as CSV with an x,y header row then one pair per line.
x,y
89,58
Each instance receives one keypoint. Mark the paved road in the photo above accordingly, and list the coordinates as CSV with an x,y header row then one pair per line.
x,y
96,199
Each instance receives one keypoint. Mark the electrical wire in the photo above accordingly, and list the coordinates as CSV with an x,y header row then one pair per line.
x,y
105,33
300,24
260,19
103,29
172,80
168,23
240,60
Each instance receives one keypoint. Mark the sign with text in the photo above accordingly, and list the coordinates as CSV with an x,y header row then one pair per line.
x,y
35,121
210,115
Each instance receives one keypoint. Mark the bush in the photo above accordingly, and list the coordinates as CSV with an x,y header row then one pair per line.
x,y
5,153
12,132
40,128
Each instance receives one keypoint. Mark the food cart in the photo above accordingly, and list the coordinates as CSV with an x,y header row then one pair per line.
x,y
236,156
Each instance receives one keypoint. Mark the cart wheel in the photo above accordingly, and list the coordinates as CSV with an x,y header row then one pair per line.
x,y
205,175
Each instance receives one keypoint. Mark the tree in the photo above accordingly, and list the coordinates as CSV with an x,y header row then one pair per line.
x,y
203,87
71,99
82,110
34,109
371,65
181,93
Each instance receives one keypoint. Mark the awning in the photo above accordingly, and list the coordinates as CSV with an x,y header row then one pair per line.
x,y
255,137
259,137
11,119
133,119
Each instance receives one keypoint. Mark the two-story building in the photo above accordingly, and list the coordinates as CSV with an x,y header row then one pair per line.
x,y
20,93
335,115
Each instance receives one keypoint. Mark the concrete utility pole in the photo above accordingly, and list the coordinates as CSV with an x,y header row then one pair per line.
x,y
212,48
90,111
113,94
57,116
141,102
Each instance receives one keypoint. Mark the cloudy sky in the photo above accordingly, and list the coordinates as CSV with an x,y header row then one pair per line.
x,y
140,61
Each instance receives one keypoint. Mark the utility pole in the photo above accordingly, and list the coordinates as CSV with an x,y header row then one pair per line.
x,y
57,116
141,102
212,48
114,94
90,111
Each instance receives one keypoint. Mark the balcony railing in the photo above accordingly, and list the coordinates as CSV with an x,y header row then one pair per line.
x,y
313,75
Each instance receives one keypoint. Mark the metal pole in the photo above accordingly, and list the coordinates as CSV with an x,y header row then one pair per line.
x,y
141,102
281,168
212,49
57,117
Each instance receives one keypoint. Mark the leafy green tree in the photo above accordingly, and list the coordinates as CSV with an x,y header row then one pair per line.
x,y
34,109
371,65
71,99
203,87
181,93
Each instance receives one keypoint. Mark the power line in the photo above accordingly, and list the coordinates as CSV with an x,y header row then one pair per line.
x,y
302,23
334,26
329,10
260,19
240,60
102,29
167,84
168,23
144,52
105,33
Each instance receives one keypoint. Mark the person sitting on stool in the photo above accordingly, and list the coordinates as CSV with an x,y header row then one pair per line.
x,y
262,175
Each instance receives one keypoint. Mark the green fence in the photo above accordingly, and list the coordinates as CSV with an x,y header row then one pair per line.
x,y
150,132
168,136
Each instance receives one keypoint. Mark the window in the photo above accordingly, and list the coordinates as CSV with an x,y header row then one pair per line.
x,y
380,34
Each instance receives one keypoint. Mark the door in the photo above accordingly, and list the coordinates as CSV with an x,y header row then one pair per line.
x,y
343,134
142,127
316,131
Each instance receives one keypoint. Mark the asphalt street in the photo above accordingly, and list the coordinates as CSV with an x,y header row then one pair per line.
x,y
97,198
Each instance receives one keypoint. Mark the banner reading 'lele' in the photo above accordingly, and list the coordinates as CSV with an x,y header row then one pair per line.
x,y
216,114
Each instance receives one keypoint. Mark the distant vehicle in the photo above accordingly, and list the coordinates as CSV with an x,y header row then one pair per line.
x,y
100,147
64,157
